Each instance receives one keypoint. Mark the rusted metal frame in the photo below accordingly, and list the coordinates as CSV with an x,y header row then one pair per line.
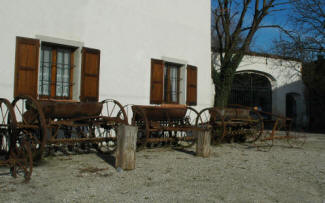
x,y
299,139
274,129
16,157
166,129
231,125
80,140
53,134
83,120
81,136
170,139
21,160
26,126
72,123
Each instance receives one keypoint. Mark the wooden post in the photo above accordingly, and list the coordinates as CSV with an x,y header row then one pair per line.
x,y
126,147
203,143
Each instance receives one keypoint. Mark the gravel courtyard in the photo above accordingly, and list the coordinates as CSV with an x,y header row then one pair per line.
x,y
233,173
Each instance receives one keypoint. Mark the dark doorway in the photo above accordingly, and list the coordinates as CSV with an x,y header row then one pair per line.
x,y
252,89
291,107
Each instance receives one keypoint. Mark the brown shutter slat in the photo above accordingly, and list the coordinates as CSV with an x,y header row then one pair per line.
x,y
26,66
157,78
191,96
90,75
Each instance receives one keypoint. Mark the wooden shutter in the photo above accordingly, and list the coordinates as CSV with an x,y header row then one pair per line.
x,y
157,81
90,75
191,96
26,66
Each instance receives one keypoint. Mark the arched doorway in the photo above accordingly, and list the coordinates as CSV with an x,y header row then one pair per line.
x,y
252,89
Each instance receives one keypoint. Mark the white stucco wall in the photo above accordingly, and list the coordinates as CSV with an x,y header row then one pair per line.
x,y
128,32
285,77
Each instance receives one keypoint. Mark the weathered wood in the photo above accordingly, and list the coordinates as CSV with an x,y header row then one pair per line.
x,y
203,143
126,147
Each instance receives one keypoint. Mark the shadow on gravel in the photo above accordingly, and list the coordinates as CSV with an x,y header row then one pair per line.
x,y
108,158
186,151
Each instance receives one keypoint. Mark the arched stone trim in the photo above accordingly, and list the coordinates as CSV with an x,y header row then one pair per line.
x,y
253,88
272,80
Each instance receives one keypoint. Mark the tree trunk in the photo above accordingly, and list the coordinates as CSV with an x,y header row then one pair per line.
x,y
222,95
223,80
223,87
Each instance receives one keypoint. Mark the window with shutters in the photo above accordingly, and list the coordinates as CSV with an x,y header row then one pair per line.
x,y
55,72
46,70
170,81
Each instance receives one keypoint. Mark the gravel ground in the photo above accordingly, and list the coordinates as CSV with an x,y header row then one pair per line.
x,y
233,173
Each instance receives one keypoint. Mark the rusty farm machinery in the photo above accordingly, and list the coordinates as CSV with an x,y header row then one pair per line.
x,y
165,125
245,124
30,126
58,124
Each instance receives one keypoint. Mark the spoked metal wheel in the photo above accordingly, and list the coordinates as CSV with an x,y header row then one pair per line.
x,y
255,127
211,118
296,138
30,123
266,140
7,126
112,115
113,111
187,137
21,161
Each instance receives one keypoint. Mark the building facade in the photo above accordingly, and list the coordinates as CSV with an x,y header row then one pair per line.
x,y
271,83
138,52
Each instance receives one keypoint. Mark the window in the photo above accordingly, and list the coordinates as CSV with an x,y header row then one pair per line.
x,y
47,72
167,85
55,72
171,83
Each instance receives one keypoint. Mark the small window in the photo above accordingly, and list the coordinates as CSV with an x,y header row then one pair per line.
x,y
55,73
171,83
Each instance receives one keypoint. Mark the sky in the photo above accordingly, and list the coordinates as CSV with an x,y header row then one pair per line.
x,y
263,39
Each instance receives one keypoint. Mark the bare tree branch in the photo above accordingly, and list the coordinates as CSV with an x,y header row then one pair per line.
x,y
234,37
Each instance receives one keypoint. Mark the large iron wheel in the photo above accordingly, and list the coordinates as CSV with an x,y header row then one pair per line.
x,y
296,138
255,127
31,123
7,127
266,140
113,111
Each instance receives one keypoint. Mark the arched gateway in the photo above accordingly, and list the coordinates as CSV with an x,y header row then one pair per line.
x,y
252,88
